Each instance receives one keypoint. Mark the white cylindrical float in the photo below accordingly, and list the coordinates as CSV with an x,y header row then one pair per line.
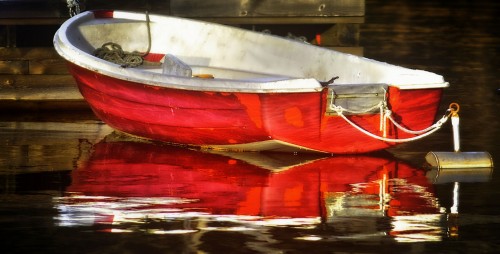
x,y
458,159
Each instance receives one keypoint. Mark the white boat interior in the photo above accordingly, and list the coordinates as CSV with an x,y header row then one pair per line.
x,y
221,73
237,59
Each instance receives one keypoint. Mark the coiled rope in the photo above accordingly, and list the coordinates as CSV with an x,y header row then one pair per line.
x,y
114,53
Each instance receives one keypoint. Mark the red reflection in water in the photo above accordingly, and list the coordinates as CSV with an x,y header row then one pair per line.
x,y
267,185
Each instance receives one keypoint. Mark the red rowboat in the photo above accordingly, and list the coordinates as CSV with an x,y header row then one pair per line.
x,y
201,84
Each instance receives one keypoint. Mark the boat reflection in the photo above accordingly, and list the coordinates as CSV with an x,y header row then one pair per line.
x,y
130,186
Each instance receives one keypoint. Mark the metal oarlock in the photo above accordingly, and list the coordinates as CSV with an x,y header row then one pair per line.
x,y
458,159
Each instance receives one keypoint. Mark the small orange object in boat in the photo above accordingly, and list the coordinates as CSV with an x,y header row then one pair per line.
x,y
203,76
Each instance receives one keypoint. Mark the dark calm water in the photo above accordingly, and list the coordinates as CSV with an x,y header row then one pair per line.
x,y
70,185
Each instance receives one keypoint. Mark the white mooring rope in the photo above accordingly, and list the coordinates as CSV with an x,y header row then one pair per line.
x,y
386,114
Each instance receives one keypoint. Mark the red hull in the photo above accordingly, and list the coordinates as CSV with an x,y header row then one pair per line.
x,y
203,118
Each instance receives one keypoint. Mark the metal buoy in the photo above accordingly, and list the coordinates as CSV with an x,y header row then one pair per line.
x,y
458,159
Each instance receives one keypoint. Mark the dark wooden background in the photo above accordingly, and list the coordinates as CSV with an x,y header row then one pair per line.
x,y
33,76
